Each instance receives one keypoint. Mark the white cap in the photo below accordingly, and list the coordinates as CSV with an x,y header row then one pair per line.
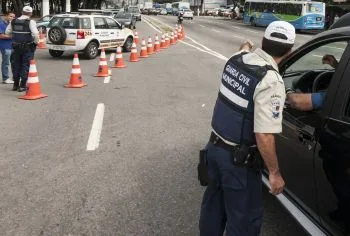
x,y
27,9
284,29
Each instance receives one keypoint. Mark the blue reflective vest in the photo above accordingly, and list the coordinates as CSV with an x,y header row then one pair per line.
x,y
233,116
21,31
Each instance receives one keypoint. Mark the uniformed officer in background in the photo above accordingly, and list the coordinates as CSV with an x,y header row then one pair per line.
x,y
247,114
25,38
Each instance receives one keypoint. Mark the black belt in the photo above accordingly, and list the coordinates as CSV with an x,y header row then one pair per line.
x,y
216,140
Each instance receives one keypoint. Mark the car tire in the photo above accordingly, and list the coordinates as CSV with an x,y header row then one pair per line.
x,y
57,35
55,53
91,50
128,44
42,29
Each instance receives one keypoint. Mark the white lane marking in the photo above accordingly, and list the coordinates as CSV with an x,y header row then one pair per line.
x,y
217,31
239,37
306,36
95,133
236,27
315,55
202,26
334,47
308,225
107,80
252,31
205,50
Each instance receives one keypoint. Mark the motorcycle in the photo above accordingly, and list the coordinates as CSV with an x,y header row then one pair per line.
x,y
180,19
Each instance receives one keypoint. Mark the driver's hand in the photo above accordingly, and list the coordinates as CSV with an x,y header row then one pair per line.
x,y
330,60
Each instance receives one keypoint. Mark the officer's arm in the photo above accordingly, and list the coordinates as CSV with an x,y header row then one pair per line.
x,y
34,30
266,146
269,97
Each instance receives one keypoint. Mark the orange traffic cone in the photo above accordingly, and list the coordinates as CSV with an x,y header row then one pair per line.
x,y
175,37
149,46
162,42
75,80
42,40
172,42
167,40
182,32
143,53
136,37
103,66
156,44
119,61
33,85
133,55
179,35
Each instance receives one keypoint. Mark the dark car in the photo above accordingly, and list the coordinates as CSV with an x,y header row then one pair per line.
x,y
343,21
135,11
127,19
314,147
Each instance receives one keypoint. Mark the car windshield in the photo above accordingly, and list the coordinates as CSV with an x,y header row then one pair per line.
x,y
133,10
122,15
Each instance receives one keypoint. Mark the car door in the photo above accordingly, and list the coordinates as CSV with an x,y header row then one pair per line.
x,y
116,33
332,156
101,32
296,144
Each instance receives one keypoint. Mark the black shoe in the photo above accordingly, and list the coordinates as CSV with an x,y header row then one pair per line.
x,y
22,89
15,88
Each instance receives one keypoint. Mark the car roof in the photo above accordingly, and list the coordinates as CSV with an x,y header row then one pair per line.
x,y
80,15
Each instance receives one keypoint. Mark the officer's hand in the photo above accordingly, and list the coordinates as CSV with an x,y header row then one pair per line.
x,y
276,183
247,45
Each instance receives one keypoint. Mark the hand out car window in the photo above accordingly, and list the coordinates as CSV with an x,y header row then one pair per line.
x,y
314,61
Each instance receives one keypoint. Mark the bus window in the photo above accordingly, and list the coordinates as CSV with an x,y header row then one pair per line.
x,y
314,7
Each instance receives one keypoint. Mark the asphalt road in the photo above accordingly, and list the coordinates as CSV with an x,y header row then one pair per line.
x,y
141,179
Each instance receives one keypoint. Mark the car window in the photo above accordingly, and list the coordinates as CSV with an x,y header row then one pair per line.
x,y
112,24
64,22
69,23
313,61
85,23
46,18
100,23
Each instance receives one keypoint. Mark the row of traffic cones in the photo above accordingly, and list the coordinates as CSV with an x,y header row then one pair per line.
x,y
33,91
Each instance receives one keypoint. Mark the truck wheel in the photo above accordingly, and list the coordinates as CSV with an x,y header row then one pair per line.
x,y
91,50
55,53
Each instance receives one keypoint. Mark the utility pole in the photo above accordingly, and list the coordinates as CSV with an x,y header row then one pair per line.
x,y
68,6
46,7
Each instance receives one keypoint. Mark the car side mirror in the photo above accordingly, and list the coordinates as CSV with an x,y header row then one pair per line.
x,y
122,26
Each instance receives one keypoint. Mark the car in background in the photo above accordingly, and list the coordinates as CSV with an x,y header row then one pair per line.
x,y
86,33
169,11
127,19
163,11
227,13
187,14
135,11
209,12
42,23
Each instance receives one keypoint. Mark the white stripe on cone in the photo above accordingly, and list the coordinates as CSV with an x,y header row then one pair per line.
x,y
32,68
33,80
76,71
